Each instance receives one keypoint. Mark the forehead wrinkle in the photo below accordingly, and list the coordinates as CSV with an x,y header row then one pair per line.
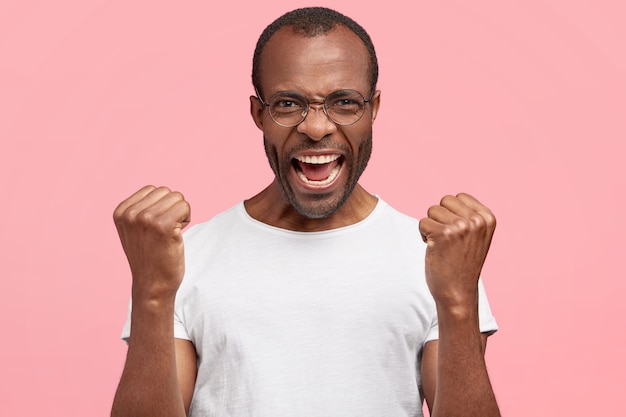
x,y
314,83
315,66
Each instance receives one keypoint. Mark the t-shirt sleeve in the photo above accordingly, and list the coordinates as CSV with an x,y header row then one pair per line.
x,y
487,321
180,331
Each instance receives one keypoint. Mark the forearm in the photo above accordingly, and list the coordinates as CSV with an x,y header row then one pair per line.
x,y
149,384
463,387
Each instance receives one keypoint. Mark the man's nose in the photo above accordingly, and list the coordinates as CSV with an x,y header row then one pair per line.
x,y
316,125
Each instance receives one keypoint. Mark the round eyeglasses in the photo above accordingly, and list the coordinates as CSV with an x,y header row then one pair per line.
x,y
289,109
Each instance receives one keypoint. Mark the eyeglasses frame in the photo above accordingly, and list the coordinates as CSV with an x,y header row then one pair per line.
x,y
308,106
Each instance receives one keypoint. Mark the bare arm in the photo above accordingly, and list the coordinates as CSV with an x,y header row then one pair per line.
x,y
454,375
159,374
429,369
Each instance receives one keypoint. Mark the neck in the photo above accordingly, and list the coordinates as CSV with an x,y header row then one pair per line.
x,y
270,207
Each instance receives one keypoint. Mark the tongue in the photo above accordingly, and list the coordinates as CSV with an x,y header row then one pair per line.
x,y
317,172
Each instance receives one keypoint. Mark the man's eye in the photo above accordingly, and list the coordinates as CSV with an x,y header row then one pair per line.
x,y
286,103
345,102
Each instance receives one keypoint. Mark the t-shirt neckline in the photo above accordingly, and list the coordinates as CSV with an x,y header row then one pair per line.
x,y
243,213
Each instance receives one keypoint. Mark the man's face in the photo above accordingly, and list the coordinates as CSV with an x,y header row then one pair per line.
x,y
317,163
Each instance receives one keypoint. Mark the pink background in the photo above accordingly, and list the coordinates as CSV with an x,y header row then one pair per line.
x,y
521,104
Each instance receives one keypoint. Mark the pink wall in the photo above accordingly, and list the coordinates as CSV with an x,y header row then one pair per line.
x,y
522,105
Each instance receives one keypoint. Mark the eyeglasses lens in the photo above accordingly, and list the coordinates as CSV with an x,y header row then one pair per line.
x,y
343,107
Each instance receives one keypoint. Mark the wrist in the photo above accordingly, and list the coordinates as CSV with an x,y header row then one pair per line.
x,y
457,308
150,317
153,291
152,304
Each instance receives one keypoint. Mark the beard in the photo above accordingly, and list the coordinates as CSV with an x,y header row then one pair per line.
x,y
323,205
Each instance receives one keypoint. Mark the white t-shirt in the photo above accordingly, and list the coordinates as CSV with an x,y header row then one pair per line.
x,y
309,324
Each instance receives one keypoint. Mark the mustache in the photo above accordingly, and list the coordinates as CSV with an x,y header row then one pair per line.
x,y
311,145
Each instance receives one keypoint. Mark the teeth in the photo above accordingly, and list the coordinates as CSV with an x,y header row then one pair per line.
x,y
318,159
328,180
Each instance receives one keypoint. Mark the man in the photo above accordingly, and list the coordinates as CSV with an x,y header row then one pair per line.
x,y
314,297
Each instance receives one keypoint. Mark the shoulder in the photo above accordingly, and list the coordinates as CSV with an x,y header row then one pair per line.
x,y
207,237
221,222
394,231
390,217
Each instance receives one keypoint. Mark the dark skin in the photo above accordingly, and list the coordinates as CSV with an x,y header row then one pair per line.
x,y
458,233
314,67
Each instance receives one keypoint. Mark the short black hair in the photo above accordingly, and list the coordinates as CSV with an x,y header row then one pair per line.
x,y
311,22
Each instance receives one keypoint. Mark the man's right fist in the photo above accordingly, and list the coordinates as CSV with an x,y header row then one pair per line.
x,y
150,224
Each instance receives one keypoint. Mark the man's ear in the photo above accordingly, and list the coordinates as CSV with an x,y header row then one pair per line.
x,y
256,111
375,104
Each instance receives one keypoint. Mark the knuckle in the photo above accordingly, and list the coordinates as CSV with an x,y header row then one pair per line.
x,y
177,195
161,223
463,226
490,220
130,214
446,198
448,233
145,217
477,220
186,206
118,213
125,216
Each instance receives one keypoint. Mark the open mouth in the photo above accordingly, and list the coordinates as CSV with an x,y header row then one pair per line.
x,y
317,170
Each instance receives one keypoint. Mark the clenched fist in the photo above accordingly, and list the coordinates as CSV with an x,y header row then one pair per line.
x,y
149,224
458,232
